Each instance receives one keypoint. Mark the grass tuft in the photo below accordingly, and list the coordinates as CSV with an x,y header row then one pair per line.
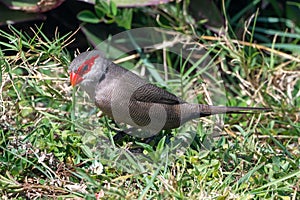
x,y
45,154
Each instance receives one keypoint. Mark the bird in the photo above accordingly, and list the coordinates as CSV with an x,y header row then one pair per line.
x,y
127,98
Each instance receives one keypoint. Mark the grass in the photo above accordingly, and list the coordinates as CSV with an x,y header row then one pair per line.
x,y
45,154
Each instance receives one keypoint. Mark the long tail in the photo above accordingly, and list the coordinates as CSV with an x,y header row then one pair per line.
x,y
206,110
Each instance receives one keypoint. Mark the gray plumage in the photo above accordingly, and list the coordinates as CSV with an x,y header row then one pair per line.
x,y
127,98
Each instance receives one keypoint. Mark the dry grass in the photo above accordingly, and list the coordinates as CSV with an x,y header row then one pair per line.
x,y
43,156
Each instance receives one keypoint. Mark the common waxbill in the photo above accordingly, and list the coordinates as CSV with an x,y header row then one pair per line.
x,y
129,99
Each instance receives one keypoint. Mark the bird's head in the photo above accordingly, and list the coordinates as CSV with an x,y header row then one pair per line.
x,y
87,69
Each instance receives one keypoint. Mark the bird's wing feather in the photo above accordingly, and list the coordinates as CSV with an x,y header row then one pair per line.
x,y
152,94
146,92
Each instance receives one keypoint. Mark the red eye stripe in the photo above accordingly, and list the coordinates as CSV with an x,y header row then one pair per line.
x,y
86,66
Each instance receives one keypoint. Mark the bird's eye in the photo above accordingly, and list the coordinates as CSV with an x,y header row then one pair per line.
x,y
87,65
85,68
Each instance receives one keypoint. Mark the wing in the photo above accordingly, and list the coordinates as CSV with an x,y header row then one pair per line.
x,y
150,93
125,82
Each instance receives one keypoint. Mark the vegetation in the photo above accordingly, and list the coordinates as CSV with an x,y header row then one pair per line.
x,y
50,150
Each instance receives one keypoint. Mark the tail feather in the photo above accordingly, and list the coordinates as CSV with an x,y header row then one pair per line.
x,y
206,110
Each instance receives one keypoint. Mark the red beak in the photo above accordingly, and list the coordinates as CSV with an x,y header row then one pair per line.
x,y
75,78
